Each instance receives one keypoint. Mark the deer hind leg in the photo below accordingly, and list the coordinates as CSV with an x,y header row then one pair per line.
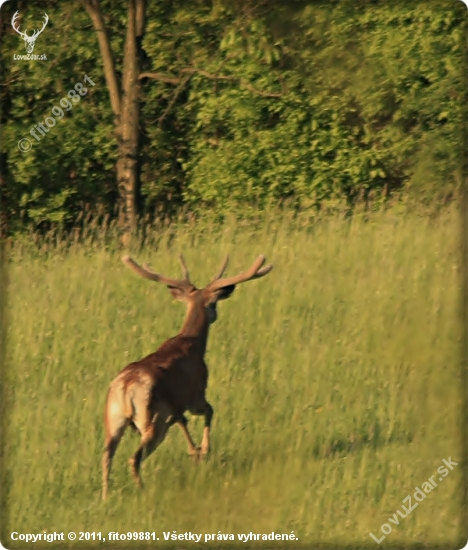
x,y
115,425
153,431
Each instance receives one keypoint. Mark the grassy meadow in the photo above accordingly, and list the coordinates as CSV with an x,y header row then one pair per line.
x,y
335,381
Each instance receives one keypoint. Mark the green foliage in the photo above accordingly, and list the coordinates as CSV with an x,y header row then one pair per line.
x,y
71,166
301,102
334,380
367,107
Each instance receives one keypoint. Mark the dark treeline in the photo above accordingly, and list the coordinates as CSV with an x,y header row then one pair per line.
x,y
221,104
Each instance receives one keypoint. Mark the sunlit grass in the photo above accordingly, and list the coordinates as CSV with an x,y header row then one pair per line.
x,y
335,382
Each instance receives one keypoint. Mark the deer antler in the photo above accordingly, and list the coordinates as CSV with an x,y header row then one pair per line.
x,y
46,20
145,272
185,270
221,270
25,34
13,21
255,272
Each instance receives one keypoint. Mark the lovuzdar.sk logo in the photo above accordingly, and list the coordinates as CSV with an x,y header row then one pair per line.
x,y
29,41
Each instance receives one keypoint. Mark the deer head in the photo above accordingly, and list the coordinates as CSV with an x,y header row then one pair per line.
x,y
28,40
218,289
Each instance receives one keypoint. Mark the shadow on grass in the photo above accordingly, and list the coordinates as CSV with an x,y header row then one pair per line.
x,y
356,441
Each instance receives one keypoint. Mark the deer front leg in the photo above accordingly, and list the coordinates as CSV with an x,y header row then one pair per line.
x,y
207,411
205,446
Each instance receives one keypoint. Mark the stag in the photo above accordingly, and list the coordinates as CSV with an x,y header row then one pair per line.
x,y
152,394
28,40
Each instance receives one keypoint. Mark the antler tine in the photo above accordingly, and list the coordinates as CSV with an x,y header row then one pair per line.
x,y
221,270
147,274
46,20
185,270
37,32
13,22
255,272
262,272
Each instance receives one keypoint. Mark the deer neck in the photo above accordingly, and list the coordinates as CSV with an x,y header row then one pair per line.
x,y
196,325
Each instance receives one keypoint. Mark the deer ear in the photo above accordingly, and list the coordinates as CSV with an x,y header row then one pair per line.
x,y
177,293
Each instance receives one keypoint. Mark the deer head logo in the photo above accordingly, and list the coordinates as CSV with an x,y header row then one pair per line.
x,y
29,41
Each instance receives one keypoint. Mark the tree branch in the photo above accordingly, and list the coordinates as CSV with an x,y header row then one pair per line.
x,y
193,70
94,12
161,77
174,97
130,69
140,18
256,91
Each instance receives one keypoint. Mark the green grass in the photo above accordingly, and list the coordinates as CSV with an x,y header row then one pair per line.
x,y
335,381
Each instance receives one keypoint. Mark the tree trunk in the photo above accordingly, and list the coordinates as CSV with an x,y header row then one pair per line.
x,y
125,106
128,132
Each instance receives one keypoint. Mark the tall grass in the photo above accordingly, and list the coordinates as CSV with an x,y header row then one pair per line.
x,y
335,382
